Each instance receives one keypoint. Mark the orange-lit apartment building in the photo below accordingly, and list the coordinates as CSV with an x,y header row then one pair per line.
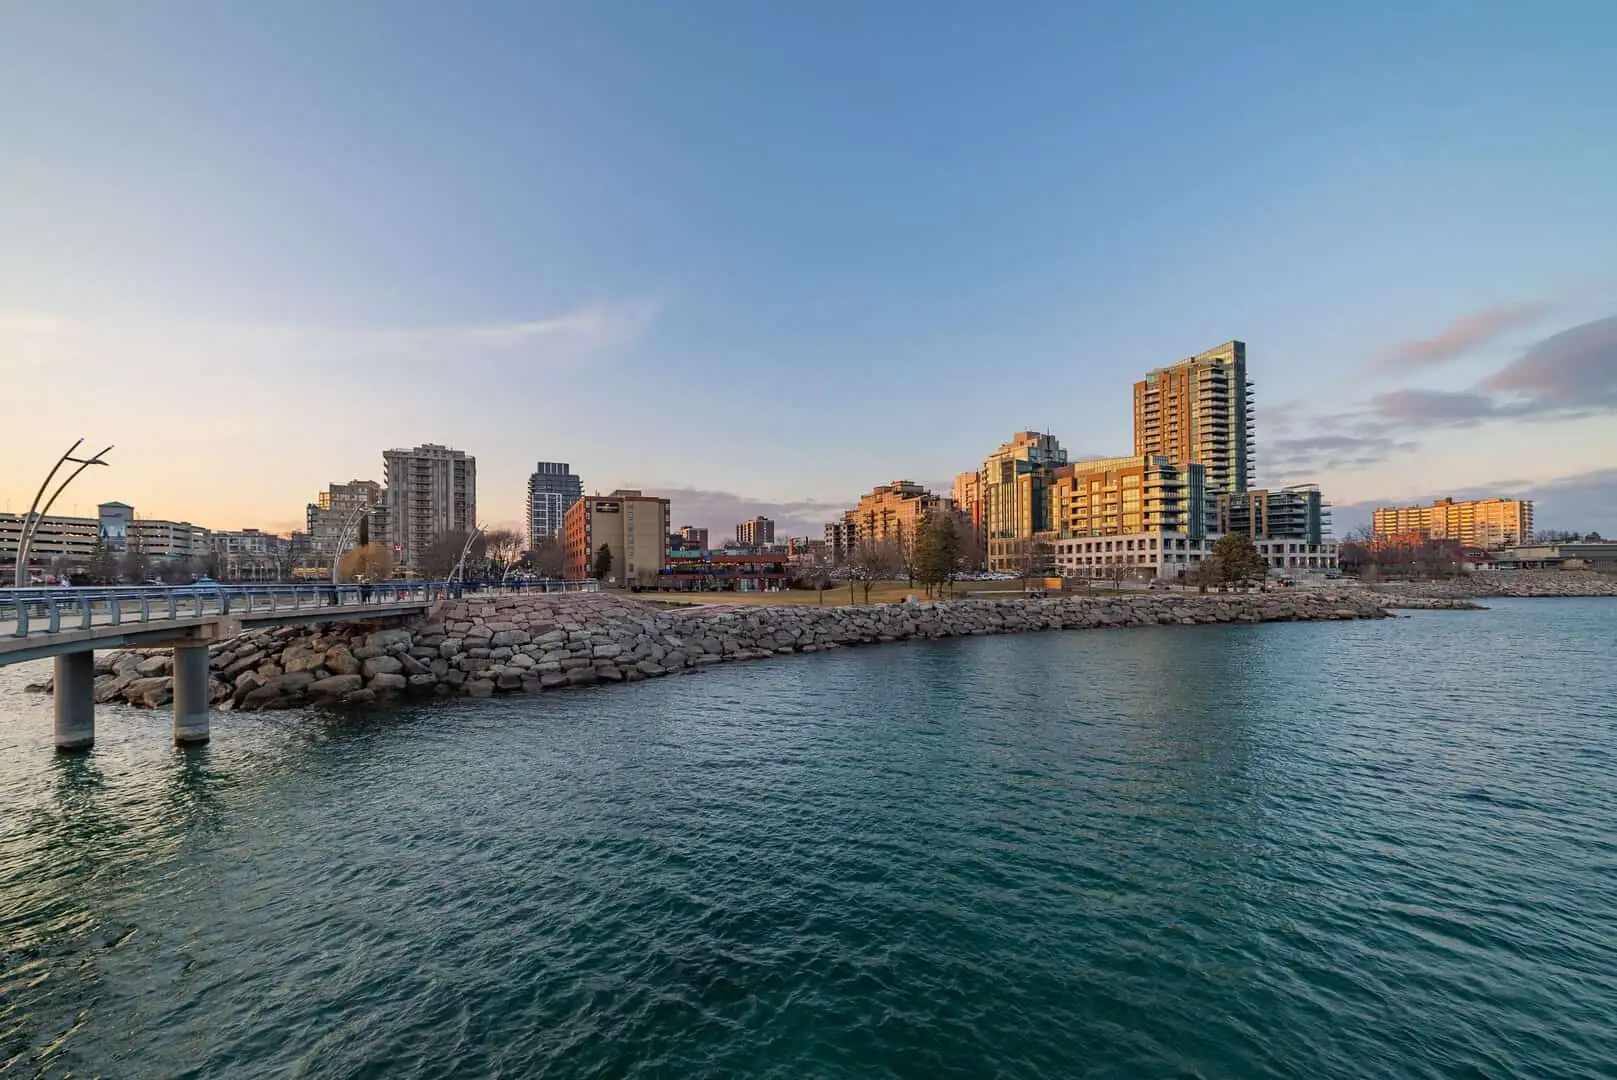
x,y
1200,410
1143,514
889,513
1490,524
634,528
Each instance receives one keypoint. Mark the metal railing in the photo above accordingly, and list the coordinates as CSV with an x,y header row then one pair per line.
x,y
48,610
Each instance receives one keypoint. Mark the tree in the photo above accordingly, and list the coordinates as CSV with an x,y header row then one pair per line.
x,y
502,548
873,561
1238,559
1205,574
440,557
937,551
103,567
134,567
973,548
1118,571
601,568
547,558
373,562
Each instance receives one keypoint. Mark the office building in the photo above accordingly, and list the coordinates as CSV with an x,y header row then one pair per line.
x,y
333,519
431,490
251,554
73,539
553,488
1139,516
1012,488
1490,524
757,533
1598,555
890,514
693,538
633,527
1200,411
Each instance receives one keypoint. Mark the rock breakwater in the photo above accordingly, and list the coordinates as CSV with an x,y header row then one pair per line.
x,y
480,647
1516,583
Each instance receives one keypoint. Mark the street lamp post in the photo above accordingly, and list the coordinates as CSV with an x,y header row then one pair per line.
x,y
30,523
460,565
351,524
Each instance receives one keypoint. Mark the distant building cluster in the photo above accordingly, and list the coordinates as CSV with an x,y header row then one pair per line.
x,y
1155,513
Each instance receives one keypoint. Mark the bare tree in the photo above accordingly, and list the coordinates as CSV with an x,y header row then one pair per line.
x,y
1117,572
442,555
874,561
548,559
502,548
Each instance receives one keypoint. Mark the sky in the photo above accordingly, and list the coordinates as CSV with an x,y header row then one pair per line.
x,y
762,258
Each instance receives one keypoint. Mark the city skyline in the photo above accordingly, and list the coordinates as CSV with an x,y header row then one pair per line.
x,y
1402,214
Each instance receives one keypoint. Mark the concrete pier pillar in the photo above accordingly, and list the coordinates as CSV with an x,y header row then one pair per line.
x,y
190,694
75,701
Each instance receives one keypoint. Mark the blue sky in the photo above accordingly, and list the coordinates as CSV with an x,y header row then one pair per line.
x,y
766,257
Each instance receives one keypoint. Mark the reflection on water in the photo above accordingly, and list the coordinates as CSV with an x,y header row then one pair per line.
x,y
1357,850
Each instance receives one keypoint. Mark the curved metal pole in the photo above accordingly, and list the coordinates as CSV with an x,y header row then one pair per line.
x,y
28,519
31,524
336,557
460,566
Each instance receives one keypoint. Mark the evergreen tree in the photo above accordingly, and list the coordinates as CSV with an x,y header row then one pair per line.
x,y
1239,560
601,568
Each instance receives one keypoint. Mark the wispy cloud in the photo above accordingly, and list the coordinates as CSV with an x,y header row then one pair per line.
x,y
1460,337
1570,375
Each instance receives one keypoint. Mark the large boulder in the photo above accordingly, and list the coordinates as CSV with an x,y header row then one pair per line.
x,y
341,661
382,665
506,638
386,640
387,682
336,685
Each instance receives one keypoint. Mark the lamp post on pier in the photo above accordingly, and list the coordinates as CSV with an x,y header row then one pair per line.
x,y
30,522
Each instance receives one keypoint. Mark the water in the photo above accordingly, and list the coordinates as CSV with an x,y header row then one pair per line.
x,y
1379,850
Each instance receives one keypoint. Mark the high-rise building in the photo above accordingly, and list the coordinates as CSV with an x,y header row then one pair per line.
x,y
1200,410
552,490
431,490
755,533
695,538
892,513
968,498
1012,488
632,526
1475,523
332,519
1142,516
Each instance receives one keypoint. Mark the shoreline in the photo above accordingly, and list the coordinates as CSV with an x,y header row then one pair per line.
x,y
480,647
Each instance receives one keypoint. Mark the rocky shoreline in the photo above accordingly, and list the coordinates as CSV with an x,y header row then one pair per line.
x,y
1505,583
480,647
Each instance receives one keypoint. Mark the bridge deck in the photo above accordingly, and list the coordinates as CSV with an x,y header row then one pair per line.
x,y
103,633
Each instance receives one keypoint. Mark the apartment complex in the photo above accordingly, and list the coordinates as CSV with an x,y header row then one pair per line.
x,y
1013,496
967,492
755,533
332,520
431,490
693,538
1200,411
1289,513
553,488
632,526
1490,524
1143,516
890,513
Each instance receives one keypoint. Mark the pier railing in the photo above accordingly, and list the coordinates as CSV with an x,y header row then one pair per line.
x,y
51,610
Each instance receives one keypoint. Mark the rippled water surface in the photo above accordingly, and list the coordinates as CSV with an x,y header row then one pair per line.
x,y
1377,850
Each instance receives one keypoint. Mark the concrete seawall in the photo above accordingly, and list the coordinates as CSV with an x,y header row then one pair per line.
x,y
481,647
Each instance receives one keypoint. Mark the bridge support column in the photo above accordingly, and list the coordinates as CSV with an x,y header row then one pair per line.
x,y
75,701
190,693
